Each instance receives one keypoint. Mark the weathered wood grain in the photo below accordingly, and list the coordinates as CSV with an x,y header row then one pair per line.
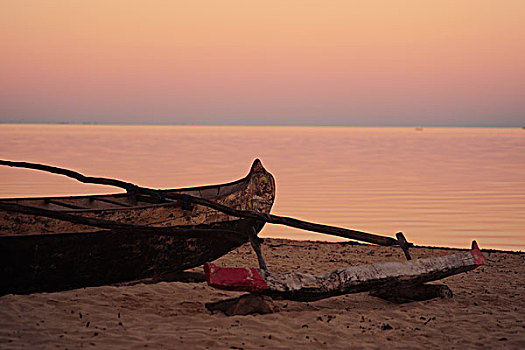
x,y
46,248
307,287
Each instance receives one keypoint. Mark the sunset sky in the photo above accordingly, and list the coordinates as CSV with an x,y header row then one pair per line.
x,y
286,62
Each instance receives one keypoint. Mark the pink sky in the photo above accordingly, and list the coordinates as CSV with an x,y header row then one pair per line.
x,y
264,62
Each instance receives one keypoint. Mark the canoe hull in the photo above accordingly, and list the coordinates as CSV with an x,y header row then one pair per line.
x,y
84,256
47,263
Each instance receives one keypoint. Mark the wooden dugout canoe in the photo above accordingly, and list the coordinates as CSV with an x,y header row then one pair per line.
x,y
307,287
144,236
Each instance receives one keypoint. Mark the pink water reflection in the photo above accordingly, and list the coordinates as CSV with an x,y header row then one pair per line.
x,y
441,186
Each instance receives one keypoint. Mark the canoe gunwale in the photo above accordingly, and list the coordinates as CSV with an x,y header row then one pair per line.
x,y
166,231
243,181
132,207
232,194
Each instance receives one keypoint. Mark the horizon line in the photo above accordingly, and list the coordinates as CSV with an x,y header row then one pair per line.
x,y
262,125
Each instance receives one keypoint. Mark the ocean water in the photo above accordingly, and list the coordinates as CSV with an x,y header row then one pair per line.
x,y
440,186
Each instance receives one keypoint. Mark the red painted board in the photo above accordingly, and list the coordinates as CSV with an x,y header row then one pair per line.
x,y
477,254
235,278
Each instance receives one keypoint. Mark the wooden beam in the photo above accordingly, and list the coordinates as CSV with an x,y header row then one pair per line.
x,y
268,218
404,244
105,200
150,199
70,173
62,204
256,245
291,222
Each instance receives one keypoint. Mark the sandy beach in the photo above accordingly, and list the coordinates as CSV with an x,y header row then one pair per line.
x,y
487,310
139,139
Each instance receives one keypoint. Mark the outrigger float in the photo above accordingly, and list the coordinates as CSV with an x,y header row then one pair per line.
x,y
306,287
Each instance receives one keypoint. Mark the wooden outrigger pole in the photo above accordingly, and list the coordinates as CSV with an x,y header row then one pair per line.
x,y
185,198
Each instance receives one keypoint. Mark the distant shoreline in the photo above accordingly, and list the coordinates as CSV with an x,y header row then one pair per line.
x,y
416,127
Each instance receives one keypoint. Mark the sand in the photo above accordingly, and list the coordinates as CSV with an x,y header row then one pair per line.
x,y
487,310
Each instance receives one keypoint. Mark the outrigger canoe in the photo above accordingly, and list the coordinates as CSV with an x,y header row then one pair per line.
x,y
307,287
52,244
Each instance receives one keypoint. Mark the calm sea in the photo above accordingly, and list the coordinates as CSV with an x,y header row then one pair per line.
x,y
440,186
